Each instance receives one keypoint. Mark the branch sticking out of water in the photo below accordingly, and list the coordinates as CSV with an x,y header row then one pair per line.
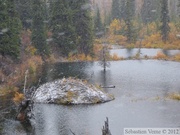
x,y
72,132
105,130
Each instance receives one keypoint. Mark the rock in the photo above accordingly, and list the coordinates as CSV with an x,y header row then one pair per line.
x,y
70,91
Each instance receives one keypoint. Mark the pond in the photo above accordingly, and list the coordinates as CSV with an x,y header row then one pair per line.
x,y
141,87
129,53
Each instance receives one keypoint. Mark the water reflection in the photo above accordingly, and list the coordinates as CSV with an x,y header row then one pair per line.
x,y
129,53
60,119
138,84
60,70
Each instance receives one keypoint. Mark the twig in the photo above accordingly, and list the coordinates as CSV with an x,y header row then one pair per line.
x,y
26,73
72,132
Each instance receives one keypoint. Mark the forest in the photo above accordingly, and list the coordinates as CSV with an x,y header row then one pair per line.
x,y
38,31
45,40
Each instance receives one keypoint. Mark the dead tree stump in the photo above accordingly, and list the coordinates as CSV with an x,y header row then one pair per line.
x,y
105,130
23,111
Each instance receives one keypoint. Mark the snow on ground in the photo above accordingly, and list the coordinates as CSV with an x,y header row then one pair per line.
x,y
70,91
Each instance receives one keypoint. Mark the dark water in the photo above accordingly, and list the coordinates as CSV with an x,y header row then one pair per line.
x,y
140,99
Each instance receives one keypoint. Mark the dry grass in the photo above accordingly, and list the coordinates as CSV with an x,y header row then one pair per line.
x,y
177,57
174,96
115,57
160,55
79,57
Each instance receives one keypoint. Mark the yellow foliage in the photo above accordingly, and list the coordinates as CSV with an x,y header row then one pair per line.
x,y
160,55
115,26
174,96
7,89
79,57
149,33
115,57
98,41
117,39
129,46
31,64
18,97
31,50
177,57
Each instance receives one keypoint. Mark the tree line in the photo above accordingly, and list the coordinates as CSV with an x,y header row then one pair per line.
x,y
72,24
151,11
69,22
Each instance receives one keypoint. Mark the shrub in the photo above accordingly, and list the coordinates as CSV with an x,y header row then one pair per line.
x,y
177,57
115,57
79,57
160,55
18,97
174,96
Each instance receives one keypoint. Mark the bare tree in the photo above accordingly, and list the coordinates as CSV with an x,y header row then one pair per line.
x,y
104,57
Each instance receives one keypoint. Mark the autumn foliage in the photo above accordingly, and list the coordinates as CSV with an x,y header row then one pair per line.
x,y
12,77
18,97
147,35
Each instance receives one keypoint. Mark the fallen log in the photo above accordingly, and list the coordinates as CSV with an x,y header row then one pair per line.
x,y
111,86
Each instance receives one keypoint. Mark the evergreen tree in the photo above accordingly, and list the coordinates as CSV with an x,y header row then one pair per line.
x,y
122,9
98,26
84,26
164,20
130,33
107,19
62,26
10,27
179,7
24,8
38,28
116,9
72,26
150,10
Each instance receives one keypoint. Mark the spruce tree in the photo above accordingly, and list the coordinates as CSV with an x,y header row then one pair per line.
x,y
128,21
10,27
150,11
116,9
38,28
122,9
24,8
84,26
62,26
179,8
98,26
107,19
164,20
